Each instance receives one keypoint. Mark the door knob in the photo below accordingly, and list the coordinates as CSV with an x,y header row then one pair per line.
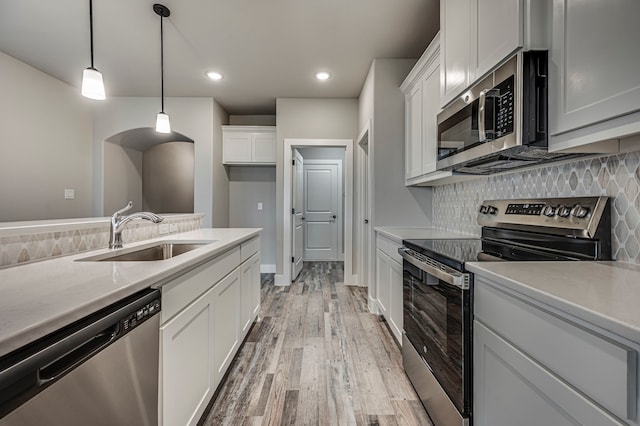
x,y
366,221
334,216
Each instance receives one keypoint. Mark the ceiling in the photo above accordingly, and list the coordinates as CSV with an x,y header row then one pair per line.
x,y
265,49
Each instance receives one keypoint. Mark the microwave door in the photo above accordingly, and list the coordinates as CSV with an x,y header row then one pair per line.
x,y
459,132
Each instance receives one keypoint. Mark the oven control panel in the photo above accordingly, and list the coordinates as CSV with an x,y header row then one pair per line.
x,y
577,213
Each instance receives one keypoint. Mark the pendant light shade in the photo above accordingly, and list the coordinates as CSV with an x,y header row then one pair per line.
x,y
162,119
162,123
92,84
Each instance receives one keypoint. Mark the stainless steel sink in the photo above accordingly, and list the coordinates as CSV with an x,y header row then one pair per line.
x,y
157,251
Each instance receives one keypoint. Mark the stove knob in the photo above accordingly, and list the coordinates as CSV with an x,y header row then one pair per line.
x,y
549,211
563,211
493,210
579,211
484,209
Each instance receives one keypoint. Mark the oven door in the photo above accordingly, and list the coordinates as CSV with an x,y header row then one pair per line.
x,y
437,323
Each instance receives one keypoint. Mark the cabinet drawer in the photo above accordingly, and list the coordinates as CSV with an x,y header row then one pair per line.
x,y
183,290
389,247
603,369
249,248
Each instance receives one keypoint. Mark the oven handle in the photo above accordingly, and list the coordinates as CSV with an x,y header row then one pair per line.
x,y
443,272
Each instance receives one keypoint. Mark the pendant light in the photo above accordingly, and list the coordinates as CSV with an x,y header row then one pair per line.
x,y
92,85
162,120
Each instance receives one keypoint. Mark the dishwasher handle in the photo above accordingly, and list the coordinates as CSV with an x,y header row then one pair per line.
x,y
77,355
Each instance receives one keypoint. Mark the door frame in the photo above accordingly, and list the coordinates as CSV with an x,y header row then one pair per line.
x,y
340,221
366,279
289,144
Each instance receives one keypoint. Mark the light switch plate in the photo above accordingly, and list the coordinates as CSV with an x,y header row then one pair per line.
x,y
69,194
259,206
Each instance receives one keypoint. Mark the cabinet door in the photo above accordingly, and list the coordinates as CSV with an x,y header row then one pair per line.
x,y
383,287
236,147
430,110
454,33
250,271
246,296
255,287
594,63
413,138
510,388
187,375
498,26
264,147
395,305
226,321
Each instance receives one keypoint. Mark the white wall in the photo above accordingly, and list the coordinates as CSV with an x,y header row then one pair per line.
x,y
192,117
308,119
122,178
220,173
45,145
249,186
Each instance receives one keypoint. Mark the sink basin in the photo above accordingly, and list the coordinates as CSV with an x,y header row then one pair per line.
x,y
157,251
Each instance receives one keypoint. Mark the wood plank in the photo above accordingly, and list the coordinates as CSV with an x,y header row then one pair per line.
x,y
317,357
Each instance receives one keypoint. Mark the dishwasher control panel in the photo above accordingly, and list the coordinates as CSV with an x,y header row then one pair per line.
x,y
141,315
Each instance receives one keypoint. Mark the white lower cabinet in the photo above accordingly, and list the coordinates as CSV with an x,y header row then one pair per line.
x,y
389,284
227,308
187,374
536,366
198,341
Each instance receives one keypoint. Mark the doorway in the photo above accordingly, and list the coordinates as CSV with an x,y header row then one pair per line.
x,y
319,206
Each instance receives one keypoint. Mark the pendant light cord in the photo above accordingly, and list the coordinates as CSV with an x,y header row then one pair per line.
x,y
91,29
161,64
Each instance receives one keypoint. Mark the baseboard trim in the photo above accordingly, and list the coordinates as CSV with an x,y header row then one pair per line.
x,y
281,280
268,269
373,306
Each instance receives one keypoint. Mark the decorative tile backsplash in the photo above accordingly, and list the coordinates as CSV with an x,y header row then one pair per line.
x,y
29,246
455,206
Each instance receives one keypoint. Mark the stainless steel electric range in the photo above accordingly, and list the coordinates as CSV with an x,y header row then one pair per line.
x,y
438,290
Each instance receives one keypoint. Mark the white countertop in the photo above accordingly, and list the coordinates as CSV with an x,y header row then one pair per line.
x,y
606,294
398,233
41,297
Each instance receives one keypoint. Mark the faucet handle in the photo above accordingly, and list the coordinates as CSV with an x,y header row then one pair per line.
x,y
126,208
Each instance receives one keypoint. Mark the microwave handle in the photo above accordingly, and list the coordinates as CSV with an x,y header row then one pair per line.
x,y
482,134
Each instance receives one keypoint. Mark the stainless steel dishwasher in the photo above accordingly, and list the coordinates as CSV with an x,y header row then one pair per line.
x,y
100,370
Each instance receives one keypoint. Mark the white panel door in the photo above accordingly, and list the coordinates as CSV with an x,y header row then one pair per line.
x,y
321,191
297,206
413,145
264,147
430,110
226,321
454,36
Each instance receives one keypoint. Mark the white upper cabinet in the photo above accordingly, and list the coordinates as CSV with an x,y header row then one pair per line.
x,y
422,104
594,86
455,22
498,29
249,144
478,35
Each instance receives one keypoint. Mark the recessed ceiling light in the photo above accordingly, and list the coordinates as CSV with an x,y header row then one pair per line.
x,y
323,75
213,75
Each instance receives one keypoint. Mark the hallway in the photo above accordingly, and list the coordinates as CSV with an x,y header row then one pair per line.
x,y
317,357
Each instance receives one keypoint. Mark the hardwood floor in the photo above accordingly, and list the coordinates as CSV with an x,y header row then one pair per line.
x,y
317,357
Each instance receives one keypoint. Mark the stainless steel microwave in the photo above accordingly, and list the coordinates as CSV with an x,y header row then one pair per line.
x,y
501,122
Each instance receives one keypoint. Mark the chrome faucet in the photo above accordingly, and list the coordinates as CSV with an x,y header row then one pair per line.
x,y
118,221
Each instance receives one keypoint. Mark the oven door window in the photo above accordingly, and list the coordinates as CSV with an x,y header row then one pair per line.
x,y
434,314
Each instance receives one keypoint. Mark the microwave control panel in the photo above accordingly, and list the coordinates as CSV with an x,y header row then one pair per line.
x,y
504,108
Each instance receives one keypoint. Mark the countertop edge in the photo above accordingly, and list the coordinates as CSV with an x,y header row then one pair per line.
x,y
605,322
393,233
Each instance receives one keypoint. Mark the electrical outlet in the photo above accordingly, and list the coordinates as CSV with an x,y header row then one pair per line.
x,y
259,206
163,228
456,212
173,227
69,194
